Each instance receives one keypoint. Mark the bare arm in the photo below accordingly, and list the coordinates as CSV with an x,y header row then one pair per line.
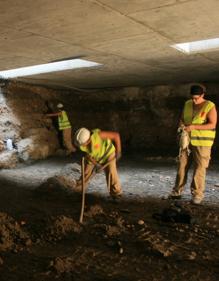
x,y
181,123
114,137
211,122
54,114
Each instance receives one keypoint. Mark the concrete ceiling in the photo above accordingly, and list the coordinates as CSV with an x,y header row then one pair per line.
x,y
131,38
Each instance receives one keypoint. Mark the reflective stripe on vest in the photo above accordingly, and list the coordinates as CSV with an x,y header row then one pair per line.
x,y
199,137
98,147
63,121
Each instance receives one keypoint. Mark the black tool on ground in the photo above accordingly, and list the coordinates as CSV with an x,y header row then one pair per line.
x,y
174,214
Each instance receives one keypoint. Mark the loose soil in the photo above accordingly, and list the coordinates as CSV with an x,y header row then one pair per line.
x,y
141,236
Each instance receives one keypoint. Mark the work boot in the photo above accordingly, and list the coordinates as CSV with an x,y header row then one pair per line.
x,y
174,195
196,200
116,197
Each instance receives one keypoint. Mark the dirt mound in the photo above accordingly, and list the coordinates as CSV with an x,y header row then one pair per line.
x,y
59,227
8,159
74,263
94,210
13,237
64,182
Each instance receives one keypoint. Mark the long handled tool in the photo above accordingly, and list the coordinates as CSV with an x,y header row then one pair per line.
x,y
100,169
83,191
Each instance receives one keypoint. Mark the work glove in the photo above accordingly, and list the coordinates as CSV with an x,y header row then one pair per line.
x,y
179,133
179,130
78,183
97,168
118,155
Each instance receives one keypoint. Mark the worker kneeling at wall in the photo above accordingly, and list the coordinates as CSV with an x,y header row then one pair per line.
x,y
100,152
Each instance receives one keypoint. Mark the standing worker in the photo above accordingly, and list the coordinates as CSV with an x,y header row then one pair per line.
x,y
65,127
199,119
101,153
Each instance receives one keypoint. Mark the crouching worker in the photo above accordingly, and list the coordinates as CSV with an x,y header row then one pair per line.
x,y
101,154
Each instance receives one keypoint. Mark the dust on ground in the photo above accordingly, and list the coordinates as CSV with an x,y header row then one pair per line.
x,y
142,236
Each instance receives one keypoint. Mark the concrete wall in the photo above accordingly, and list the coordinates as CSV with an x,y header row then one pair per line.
x,y
146,118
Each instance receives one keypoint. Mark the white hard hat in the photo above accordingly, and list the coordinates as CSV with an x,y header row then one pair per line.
x,y
82,136
60,105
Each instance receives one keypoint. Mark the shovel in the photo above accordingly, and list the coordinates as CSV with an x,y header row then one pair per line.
x,y
83,191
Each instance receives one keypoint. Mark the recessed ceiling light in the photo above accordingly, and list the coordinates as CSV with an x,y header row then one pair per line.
x,y
198,46
47,68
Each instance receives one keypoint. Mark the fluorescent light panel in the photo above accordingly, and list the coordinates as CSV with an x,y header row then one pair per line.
x,y
198,46
47,68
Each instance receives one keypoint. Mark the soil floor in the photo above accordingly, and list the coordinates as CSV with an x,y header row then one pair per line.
x,y
140,236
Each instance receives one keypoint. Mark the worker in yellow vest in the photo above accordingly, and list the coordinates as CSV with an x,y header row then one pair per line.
x,y
101,152
199,119
65,127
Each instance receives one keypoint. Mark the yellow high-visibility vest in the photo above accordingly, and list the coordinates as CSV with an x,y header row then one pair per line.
x,y
98,147
199,137
63,121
